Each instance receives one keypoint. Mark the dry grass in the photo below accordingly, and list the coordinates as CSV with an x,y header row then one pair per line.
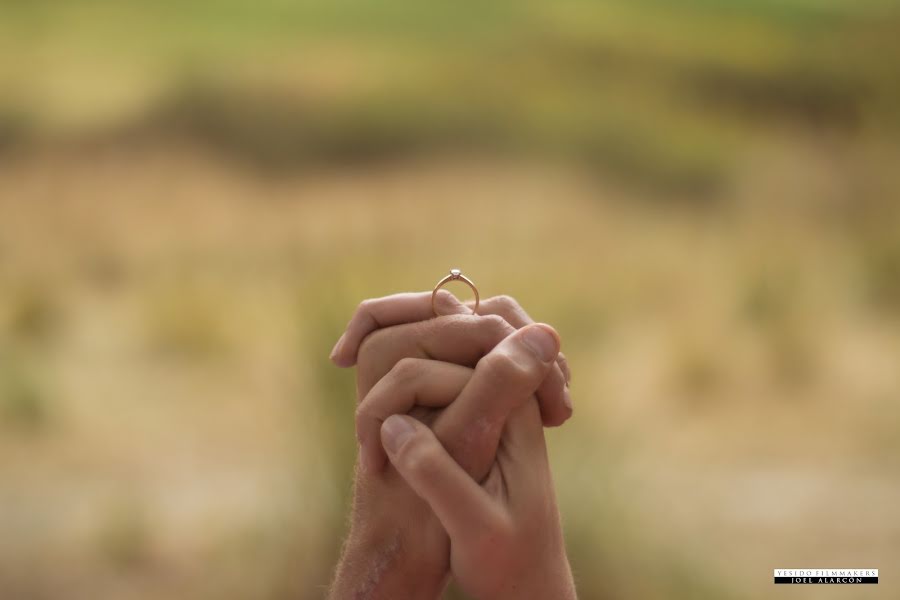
x,y
175,430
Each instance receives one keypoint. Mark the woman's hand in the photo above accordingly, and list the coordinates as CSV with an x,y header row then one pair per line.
x,y
396,547
505,535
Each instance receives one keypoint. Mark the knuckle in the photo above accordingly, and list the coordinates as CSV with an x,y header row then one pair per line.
x,y
453,321
420,457
445,298
450,326
362,416
564,364
502,369
365,305
505,301
406,369
497,324
371,344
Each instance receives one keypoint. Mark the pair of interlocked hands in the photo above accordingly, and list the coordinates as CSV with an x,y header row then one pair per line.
x,y
453,477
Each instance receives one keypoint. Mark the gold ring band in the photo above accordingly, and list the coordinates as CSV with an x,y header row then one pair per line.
x,y
455,275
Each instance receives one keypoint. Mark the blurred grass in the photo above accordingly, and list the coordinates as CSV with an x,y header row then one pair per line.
x,y
644,91
194,196
23,404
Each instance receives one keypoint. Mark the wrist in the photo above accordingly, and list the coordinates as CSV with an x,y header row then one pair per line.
x,y
553,579
386,562
558,588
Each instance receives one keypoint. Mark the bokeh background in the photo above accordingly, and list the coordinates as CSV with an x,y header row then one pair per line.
x,y
701,196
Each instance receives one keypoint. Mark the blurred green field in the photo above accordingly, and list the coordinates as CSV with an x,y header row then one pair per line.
x,y
666,96
194,196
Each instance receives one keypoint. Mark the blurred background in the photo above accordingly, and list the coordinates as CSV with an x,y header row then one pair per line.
x,y
701,196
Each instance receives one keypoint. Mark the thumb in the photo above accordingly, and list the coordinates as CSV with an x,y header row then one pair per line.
x,y
504,379
460,504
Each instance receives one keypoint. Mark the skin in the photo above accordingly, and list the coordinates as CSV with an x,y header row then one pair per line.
x,y
467,488
411,308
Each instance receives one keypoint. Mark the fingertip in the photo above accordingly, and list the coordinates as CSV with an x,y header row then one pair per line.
x,y
555,399
448,304
556,419
395,430
563,363
551,421
542,340
549,329
337,353
343,362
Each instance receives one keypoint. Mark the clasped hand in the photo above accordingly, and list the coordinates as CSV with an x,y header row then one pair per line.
x,y
452,477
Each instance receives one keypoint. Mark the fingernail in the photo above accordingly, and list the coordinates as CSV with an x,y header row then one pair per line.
x,y
337,346
542,343
567,398
394,432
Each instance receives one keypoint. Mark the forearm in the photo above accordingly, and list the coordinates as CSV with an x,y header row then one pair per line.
x,y
385,560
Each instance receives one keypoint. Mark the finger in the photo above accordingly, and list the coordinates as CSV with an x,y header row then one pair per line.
x,y
522,453
412,382
377,313
459,339
504,379
563,363
459,503
510,309
554,413
554,397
